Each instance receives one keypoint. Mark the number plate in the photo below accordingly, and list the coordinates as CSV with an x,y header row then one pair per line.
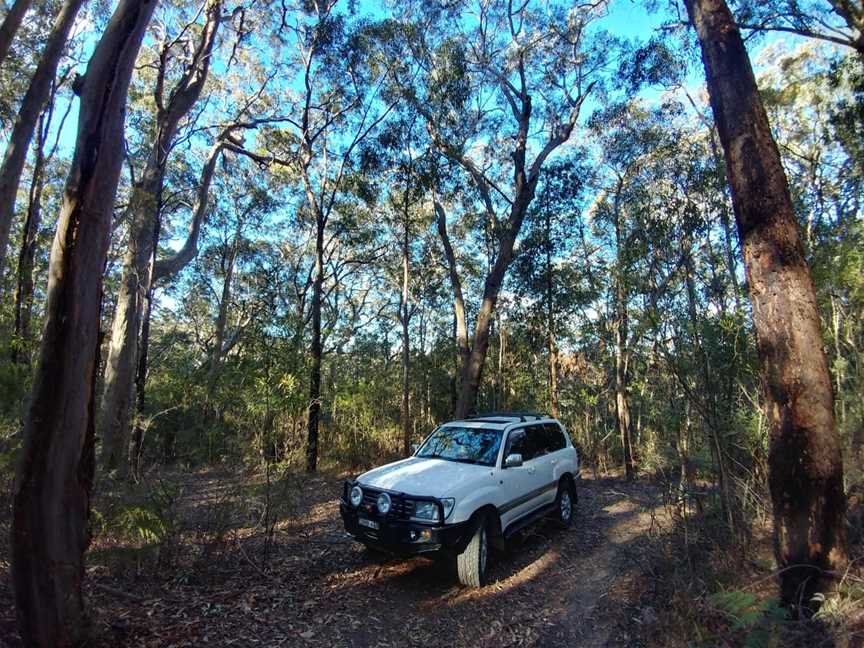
x,y
369,524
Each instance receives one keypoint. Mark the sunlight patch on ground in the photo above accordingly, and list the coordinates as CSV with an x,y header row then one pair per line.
x,y
526,574
318,516
378,572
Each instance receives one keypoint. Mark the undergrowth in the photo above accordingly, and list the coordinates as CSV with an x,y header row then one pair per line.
x,y
714,589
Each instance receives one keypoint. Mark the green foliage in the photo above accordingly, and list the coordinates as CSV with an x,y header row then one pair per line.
x,y
145,516
141,524
761,619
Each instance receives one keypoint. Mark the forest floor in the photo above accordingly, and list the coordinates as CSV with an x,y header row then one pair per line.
x,y
217,582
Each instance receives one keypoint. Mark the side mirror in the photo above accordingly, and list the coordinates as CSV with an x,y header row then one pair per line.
x,y
513,461
414,448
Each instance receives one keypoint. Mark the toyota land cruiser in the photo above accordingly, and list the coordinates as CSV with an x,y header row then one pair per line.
x,y
470,483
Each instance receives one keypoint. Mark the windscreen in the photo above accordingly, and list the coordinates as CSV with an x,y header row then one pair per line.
x,y
463,444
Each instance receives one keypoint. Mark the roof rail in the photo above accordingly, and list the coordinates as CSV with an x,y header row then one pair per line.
x,y
519,415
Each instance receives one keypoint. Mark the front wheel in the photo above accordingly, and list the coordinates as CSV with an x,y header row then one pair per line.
x,y
471,563
565,503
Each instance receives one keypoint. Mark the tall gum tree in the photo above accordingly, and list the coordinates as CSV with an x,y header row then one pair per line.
x,y
29,245
28,115
805,468
55,468
116,407
11,22
498,99
629,138
337,104
840,22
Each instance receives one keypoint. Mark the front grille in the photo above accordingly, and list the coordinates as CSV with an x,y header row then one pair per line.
x,y
400,507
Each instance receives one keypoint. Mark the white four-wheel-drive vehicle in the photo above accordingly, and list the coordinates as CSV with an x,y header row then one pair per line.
x,y
470,484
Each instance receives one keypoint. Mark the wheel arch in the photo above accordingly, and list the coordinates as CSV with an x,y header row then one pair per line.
x,y
568,479
490,512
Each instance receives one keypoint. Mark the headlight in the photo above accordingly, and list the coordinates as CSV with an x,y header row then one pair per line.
x,y
356,496
428,511
383,503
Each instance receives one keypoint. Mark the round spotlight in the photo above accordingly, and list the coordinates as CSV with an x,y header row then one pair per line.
x,y
356,496
384,503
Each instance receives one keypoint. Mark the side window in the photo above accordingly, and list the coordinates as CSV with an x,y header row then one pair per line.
x,y
537,441
516,444
555,436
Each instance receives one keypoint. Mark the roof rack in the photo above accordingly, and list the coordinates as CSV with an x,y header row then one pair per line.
x,y
519,416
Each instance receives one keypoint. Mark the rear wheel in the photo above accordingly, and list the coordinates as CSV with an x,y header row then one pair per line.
x,y
471,563
565,502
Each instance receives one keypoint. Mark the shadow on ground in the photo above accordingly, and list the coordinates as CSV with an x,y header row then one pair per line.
x,y
222,584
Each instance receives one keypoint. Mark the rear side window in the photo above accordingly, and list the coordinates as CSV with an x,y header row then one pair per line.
x,y
535,441
538,440
555,437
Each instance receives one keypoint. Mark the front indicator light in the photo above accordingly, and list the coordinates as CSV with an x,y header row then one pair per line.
x,y
448,503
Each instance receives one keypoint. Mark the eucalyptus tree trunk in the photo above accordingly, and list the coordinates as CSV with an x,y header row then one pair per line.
x,y
472,370
163,269
27,253
315,351
804,461
25,122
460,326
222,316
116,408
55,469
11,24
622,356
709,410
622,400
170,266
551,343
405,320
525,179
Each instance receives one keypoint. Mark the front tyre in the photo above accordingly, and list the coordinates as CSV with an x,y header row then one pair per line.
x,y
471,563
565,503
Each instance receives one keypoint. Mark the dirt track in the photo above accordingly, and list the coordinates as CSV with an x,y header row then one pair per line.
x,y
549,588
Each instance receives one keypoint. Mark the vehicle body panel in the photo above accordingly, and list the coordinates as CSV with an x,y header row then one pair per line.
x,y
516,493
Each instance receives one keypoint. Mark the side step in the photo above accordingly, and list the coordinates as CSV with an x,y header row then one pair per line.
x,y
526,520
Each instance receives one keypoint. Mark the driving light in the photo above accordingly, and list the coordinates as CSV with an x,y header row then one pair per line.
x,y
356,496
383,503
